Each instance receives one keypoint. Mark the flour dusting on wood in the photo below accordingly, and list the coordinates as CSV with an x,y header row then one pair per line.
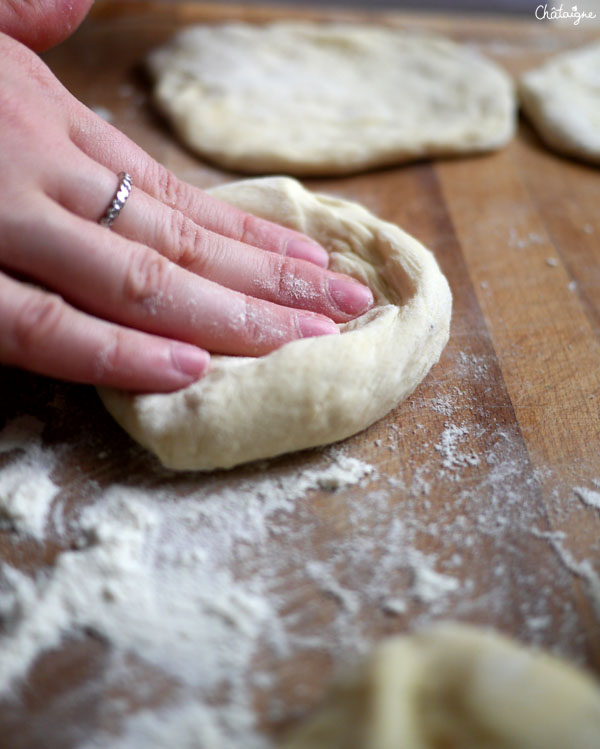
x,y
223,587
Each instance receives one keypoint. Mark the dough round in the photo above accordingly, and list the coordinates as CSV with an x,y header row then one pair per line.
x,y
562,100
305,98
461,688
315,390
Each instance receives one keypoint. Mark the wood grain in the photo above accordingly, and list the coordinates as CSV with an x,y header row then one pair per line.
x,y
478,468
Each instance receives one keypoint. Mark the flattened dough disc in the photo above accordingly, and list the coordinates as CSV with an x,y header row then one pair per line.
x,y
303,98
562,100
316,390
457,687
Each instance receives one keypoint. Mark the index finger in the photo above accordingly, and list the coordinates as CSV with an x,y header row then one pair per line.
x,y
110,147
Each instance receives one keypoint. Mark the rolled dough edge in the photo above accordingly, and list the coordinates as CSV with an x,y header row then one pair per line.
x,y
312,391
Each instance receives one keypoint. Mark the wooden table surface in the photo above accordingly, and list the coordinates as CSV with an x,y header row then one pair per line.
x,y
486,468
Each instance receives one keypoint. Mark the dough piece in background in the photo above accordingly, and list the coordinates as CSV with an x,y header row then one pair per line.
x,y
562,100
456,687
311,391
324,99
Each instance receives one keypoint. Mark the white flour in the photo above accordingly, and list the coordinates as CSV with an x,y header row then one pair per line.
x,y
152,576
131,585
26,490
428,585
453,457
227,583
589,497
522,242
583,569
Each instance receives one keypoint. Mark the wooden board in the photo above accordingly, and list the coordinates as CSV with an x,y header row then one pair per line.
x,y
474,508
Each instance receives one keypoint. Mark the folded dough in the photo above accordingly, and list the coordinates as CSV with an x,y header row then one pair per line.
x,y
311,391
308,98
456,687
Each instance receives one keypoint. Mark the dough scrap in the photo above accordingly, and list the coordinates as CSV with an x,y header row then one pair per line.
x,y
311,391
562,100
321,99
458,687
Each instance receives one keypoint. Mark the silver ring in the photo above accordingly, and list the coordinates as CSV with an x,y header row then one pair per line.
x,y
117,203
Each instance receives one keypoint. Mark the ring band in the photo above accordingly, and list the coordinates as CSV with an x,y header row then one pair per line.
x,y
117,203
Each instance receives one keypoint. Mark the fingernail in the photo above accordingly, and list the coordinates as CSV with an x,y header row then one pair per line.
x,y
311,326
189,360
351,297
302,250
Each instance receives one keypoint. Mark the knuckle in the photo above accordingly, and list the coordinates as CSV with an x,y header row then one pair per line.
x,y
259,233
294,286
147,278
254,322
31,66
41,74
169,189
246,232
20,53
12,108
19,119
186,241
37,320
287,288
112,358
266,326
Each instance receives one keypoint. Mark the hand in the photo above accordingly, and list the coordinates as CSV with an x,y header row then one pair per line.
x,y
178,275
44,23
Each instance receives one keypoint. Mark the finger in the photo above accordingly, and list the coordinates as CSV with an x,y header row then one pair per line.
x,y
40,332
123,281
111,148
243,268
